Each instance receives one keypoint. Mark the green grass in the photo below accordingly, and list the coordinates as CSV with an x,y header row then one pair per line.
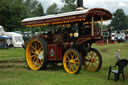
x,y
17,73
12,53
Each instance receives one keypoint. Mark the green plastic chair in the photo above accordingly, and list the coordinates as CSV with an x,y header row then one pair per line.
x,y
121,64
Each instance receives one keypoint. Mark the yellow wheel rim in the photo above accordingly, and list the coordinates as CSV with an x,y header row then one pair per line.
x,y
91,61
71,62
35,54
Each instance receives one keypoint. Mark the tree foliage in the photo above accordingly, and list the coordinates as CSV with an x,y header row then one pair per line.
x,y
119,21
39,11
127,22
53,9
68,8
34,8
69,5
13,11
69,2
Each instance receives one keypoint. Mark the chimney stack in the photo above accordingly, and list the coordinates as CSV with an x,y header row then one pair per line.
x,y
79,5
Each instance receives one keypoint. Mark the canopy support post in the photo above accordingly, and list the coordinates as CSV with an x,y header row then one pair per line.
x,y
101,26
92,26
39,30
52,29
31,32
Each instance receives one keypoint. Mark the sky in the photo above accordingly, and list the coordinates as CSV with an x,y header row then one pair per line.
x,y
111,5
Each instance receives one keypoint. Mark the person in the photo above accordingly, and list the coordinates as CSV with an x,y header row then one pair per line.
x,y
117,54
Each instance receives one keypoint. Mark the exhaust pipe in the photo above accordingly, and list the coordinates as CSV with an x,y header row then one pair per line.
x,y
79,5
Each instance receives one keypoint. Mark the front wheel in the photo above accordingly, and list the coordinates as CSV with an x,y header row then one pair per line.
x,y
72,61
36,54
93,60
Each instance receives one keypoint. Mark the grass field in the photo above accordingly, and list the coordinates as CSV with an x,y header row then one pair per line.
x,y
14,71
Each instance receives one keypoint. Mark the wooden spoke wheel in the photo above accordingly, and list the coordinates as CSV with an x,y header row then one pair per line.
x,y
36,54
72,61
93,60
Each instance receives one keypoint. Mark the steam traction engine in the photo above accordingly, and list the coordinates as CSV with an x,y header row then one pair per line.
x,y
69,40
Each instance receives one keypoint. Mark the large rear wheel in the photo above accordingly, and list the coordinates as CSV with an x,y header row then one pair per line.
x,y
72,61
36,54
93,60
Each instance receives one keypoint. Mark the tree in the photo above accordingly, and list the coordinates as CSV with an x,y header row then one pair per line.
x,y
68,6
12,12
52,9
127,22
39,11
34,8
69,2
119,21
